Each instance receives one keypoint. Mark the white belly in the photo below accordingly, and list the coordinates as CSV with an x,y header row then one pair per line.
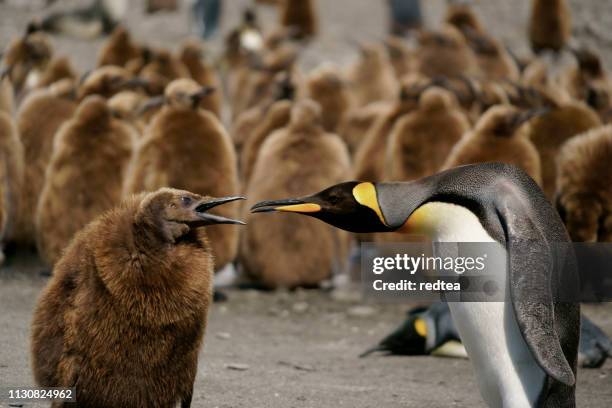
x,y
507,373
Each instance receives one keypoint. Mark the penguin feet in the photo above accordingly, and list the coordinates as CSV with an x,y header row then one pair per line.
x,y
595,345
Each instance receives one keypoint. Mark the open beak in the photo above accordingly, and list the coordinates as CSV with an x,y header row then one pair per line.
x,y
209,219
289,205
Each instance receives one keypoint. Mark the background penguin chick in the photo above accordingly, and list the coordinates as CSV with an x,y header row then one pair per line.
x,y
549,131
270,246
549,25
127,106
584,185
300,15
369,164
357,122
326,87
276,117
104,81
445,53
420,141
124,279
372,78
118,49
493,59
499,136
191,55
37,136
25,55
11,177
164,64
59,68
85,175
187,148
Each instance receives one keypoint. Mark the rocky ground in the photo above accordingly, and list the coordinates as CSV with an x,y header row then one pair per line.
x,y
298,349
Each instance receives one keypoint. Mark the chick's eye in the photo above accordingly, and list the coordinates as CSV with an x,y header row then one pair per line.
x,y
186,200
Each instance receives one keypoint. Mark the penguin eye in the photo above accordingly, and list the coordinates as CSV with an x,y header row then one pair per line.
x,y
186,200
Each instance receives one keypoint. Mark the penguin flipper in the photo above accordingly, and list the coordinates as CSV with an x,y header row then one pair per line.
x,y
532,272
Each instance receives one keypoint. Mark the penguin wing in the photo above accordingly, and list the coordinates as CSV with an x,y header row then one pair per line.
x,y
531,275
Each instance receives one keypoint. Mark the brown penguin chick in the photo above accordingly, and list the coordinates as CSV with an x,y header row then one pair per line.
x,y
277,116
421,140
445,53
372,78
127,106
493,59
165,65
191,55
400,56
588,80
27,55
271,247
59,68
85,175
56,105
549,131
358,121
104,81
7,95
326,87
300,15
549,25
11,177
584,185
500,135
138,278
369,163
187,147
118,49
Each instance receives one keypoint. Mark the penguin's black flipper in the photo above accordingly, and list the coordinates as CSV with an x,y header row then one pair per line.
x,y
595,346
535,278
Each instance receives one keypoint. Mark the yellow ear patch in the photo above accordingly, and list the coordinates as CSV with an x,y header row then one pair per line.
x,y
421,327
303,208
365,194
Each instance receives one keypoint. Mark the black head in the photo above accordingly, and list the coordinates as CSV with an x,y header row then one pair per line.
x,y
351,206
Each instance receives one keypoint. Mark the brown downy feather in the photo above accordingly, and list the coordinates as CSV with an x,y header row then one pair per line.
x,y
59,68
493,59
549,25
11,177
372,78
445,53
27,55
37,137
584,185
123,282
187,147
358,121
118,49
300,15
191,55
549,131
369,164
500,135
276,117
400,56
7,96
165,65
420,141
271,247
91,153
127,107
104,81
326,87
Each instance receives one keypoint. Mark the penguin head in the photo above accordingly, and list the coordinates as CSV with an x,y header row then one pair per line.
x,y
352,206
174,212
186,93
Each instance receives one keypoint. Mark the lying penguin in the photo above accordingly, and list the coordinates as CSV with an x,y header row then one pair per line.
x,y
431,330
524,352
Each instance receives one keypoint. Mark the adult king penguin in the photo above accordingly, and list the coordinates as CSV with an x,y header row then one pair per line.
x,y
524,351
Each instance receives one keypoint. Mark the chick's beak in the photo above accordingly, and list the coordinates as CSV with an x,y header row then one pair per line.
x,y
204,218
288,205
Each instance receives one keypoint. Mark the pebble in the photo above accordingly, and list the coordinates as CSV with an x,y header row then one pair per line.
x,y
300,307
361,311
223,335
237,367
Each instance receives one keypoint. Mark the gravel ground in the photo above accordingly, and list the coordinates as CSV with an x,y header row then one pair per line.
x,y
298,349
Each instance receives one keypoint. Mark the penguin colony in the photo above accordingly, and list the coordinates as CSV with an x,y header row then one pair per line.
x,y
156,119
